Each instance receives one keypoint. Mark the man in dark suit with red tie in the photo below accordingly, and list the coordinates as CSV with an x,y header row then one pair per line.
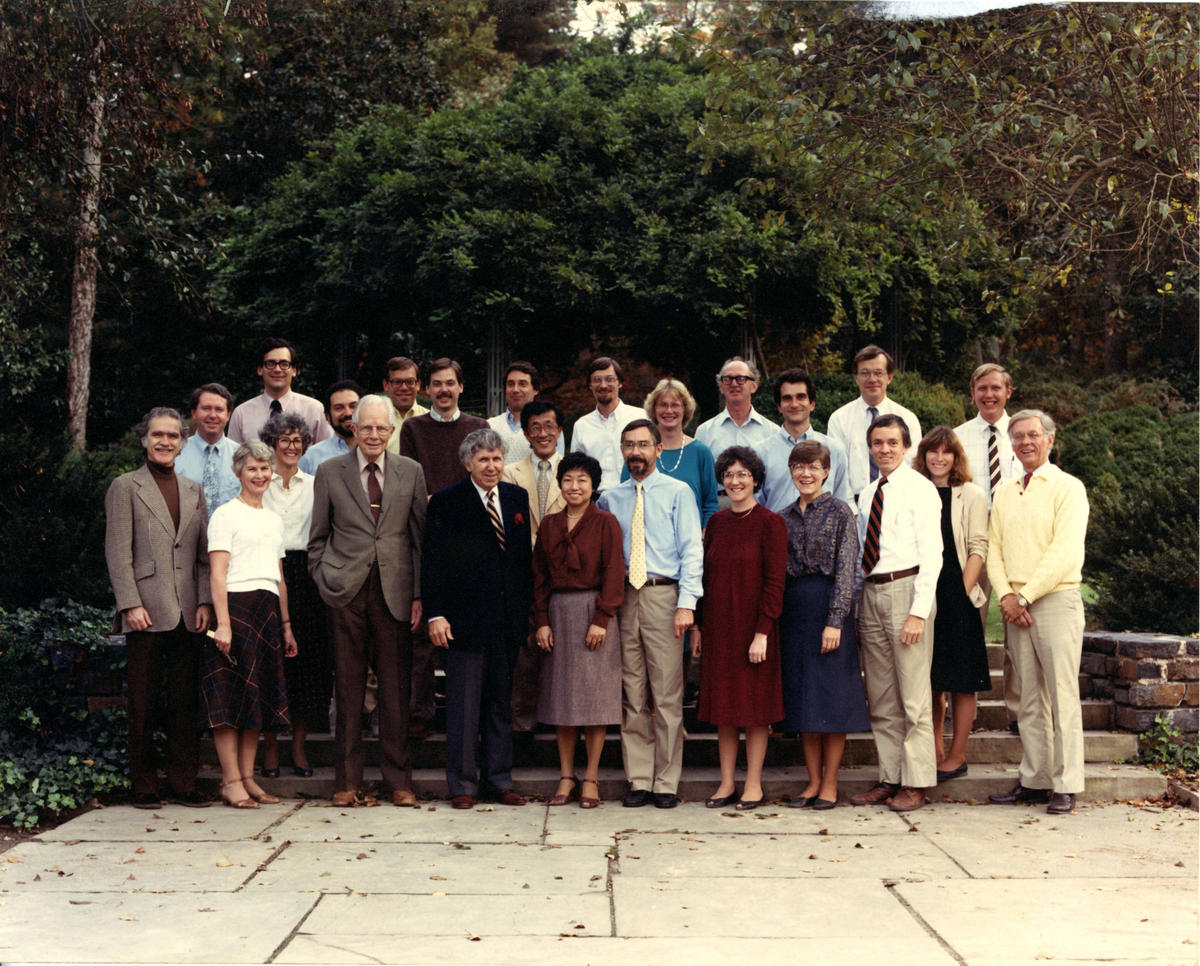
x,y
477,583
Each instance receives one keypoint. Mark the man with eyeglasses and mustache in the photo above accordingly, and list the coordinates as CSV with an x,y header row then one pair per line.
x,y
277,368
598,433
664,561
739,423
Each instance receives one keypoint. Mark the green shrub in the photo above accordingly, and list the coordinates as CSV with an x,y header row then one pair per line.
x,y
54,754
52,518
1142,544
1165,746
1066,398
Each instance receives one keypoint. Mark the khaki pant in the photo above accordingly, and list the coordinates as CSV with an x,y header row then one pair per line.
x,y
1012,689
1047,656
897,679
652,684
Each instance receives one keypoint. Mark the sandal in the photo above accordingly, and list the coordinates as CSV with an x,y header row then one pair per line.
x,y
559,799
241,803
302,772
263,798
587,801
269,772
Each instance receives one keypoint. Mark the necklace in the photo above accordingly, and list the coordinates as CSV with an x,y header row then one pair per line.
x,y
745,513
678,460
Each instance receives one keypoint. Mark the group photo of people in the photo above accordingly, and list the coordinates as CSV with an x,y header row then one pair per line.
x,y
296,566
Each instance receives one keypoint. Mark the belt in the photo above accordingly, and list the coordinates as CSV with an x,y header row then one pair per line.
x,y
894,575
659,581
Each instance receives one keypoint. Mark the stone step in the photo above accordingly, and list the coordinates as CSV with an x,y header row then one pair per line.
x,y
996,691
700,750
1104,782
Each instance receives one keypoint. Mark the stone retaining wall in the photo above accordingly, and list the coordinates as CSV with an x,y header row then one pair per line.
x,y
1145,675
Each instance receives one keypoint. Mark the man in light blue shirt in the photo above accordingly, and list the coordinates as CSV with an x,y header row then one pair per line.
x,y
207,456
796,397
520,387
341,401
739,423
664,560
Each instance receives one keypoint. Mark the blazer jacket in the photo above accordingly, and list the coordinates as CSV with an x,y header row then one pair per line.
x,y
969,522
150,564
524,474
484,592
344,539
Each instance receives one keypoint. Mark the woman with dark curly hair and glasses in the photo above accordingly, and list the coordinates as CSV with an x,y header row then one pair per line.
x,y
745,557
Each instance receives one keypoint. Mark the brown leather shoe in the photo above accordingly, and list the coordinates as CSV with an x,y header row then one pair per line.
x,y
462,801
876,796
345,799
404,797
907,799
1061,803
506,796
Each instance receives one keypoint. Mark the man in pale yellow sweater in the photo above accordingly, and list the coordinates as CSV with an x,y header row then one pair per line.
x,y
1035,561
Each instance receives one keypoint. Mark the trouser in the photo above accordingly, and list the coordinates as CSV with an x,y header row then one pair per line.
x,y
652,686
364,632
163,669
1047,660
897,680
421,702
526,677
478,720
1012,690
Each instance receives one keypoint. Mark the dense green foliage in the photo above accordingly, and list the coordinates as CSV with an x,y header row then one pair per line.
x,y
54,754
1164,746
1142,545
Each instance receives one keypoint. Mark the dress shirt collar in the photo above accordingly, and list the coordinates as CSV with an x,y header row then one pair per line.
x,y
433,414
789,438
281,399
513,419
362,462
483,494
611,416
754,417
1001,424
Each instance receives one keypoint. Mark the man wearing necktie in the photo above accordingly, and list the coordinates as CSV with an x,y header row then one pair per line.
x,y
899,526
207,456
990,455
364,553
664,560
277,368
477,581
537,475
1036,539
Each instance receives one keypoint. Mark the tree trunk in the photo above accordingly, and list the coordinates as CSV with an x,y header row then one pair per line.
x,y
1116,347
83,281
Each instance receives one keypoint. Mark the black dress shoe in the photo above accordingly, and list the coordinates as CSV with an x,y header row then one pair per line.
x,y
636,798
801,801
1061,803
945,776
665,800
1014,728
1021,795
722,801
146,800
192,799
823,804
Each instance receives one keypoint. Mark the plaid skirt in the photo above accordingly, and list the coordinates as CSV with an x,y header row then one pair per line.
x,y
250,694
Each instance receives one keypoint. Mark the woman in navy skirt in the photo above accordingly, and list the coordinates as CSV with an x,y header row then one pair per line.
x,y
823,694
242,687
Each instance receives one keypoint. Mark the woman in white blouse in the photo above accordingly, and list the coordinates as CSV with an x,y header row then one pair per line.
x,y
242,687
310,674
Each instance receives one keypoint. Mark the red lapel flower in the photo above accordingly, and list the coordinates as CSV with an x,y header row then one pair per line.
x,y
519,519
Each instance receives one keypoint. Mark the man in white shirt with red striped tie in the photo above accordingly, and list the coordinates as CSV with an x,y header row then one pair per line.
x,y
899,526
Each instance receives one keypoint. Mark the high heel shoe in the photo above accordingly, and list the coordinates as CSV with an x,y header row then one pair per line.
x,y
560,799
587,801
240,803
269,772
263,798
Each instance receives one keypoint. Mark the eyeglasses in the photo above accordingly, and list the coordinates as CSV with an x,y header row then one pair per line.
x,y
871,373
604,380
734,380
816,469
290,442
408,383
735,475
283,364
1031,437
374,430
638,444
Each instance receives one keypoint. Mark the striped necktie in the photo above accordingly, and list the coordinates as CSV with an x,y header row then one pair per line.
x,y
993,460
497,523
874,521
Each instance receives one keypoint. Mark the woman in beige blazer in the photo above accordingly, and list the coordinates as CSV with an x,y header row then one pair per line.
x,y
960,666
156,549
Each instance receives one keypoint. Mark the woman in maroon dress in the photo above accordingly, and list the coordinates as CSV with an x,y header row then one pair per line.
x,y
745,565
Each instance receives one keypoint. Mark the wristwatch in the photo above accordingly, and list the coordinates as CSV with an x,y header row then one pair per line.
x,y
1022,601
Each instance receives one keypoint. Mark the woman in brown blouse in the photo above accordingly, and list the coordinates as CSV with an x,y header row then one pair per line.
x,y
578,584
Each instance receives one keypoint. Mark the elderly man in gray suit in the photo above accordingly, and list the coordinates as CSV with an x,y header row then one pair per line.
x,y
364,553
156,547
